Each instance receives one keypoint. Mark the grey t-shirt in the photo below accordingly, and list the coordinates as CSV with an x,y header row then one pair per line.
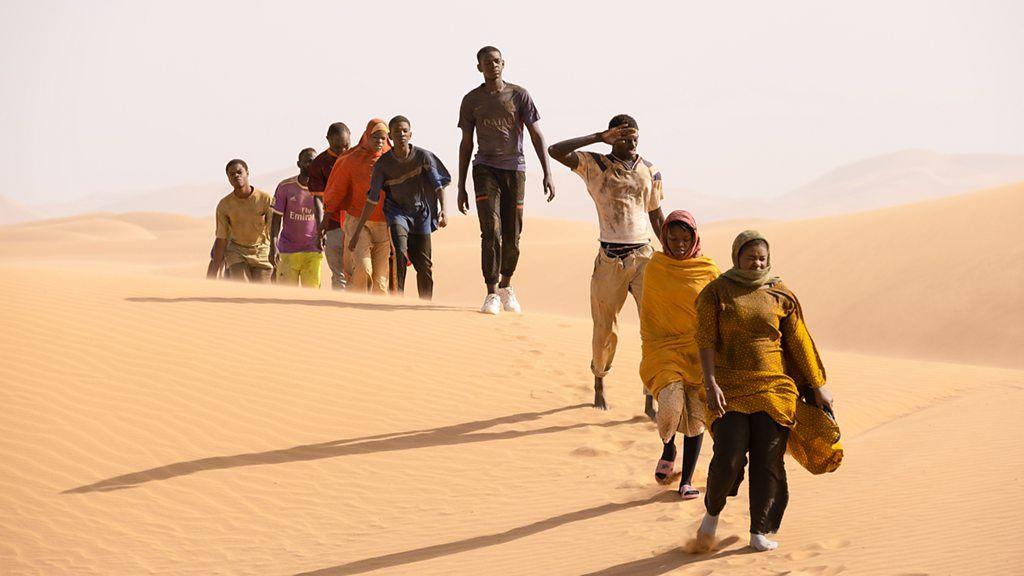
x,y
499,119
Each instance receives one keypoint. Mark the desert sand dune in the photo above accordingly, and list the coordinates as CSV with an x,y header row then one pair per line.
x,y
892,267
440,441
158,423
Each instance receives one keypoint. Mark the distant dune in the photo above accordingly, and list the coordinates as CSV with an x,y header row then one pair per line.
x,y
899,178
12,212
892,179
903,177
191,200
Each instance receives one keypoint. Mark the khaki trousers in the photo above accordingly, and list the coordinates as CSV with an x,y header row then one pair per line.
x,y
369,260
613,279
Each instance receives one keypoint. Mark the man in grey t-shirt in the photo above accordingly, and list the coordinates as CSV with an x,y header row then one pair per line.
x,y
497,111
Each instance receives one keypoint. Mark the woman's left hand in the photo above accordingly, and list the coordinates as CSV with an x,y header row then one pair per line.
x,y
823,398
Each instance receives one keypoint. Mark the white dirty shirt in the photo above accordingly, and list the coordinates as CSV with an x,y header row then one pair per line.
x,y
624,192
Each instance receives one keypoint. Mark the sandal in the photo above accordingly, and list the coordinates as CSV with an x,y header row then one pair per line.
x,y
664,470
687,492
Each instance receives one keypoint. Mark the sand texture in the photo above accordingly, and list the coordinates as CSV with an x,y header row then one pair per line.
x,y
157,423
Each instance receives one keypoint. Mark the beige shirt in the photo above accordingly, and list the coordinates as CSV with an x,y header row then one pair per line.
x,y
246,221
623,195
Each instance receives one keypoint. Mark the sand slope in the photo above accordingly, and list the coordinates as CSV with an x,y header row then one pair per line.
x,y
141,435
157,423
937,276
936,279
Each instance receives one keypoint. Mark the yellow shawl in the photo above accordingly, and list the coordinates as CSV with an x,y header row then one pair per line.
x,y
668,320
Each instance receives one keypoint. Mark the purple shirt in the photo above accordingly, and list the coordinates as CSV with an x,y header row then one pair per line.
x,y
295,204
499,119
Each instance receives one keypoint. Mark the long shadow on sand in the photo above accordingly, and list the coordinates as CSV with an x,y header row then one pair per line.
x,y
464,433
669,560
298,302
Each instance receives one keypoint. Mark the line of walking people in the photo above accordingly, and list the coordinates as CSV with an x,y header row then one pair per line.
x,y
725,352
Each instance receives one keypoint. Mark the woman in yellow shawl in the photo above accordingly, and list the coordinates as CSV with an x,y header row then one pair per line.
x,y
754,347
670,366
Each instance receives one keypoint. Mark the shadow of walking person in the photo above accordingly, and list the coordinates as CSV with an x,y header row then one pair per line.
x,y
444,436
476,542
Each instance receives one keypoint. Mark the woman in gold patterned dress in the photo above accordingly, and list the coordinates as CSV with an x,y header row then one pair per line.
x,y
755,353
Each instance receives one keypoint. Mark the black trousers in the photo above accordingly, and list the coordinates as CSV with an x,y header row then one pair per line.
x,y
499,205
415,248
735,435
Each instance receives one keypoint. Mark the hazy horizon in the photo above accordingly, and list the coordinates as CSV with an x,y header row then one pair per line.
x,y
743,101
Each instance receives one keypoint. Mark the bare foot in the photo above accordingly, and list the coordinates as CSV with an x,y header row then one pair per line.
x,y
599,401
649,409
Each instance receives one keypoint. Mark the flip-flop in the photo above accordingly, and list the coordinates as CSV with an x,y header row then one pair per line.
x,y
664,471
687,492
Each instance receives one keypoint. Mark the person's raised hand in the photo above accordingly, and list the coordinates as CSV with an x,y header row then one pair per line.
x,y
620,132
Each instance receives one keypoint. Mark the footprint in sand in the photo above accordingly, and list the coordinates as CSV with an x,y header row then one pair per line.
x,y
802,554
589,451
817,571
535,352
835,544
741,560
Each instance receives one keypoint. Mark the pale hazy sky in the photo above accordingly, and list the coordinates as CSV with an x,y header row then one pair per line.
x,y
733,98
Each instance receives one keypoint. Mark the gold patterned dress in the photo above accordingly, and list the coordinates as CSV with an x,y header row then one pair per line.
x,y
763,352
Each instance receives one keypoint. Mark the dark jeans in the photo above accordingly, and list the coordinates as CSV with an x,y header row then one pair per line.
x,y
499,204
242,272
417,246
735,435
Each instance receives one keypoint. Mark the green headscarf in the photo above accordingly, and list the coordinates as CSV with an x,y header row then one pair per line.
x,y
752,278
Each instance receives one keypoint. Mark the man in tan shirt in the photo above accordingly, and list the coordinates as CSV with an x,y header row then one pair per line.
x,y
243,230
627,192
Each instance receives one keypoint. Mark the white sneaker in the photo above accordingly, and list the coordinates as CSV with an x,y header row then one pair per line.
x,y
492,304
508,300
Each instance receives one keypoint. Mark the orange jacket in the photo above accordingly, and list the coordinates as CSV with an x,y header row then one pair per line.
x,y
350,178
